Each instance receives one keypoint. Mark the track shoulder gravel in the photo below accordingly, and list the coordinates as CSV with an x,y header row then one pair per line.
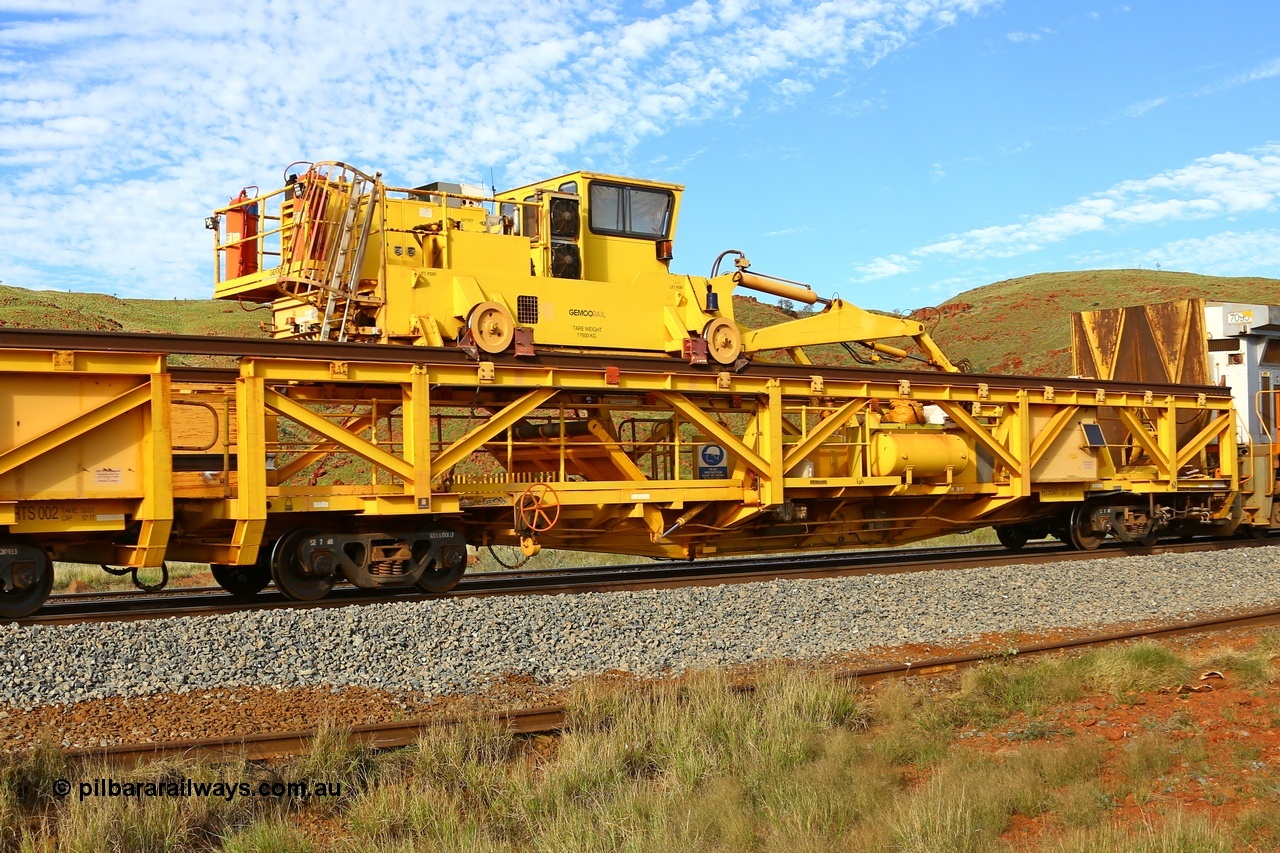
x,y
449,646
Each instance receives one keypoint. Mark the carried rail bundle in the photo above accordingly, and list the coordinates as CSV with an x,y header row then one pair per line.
x,y
450,370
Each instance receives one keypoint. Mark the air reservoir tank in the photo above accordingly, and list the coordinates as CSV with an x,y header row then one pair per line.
x,y
929,453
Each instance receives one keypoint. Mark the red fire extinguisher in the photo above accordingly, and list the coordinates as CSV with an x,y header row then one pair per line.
x,y
243,222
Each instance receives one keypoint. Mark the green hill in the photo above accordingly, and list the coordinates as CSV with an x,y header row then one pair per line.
x,y
54,309
1021,325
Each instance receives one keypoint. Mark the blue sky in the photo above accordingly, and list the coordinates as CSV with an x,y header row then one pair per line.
x,y
896,153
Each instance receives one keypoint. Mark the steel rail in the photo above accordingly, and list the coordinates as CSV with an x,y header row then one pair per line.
x,y
131,606
169,344
555,718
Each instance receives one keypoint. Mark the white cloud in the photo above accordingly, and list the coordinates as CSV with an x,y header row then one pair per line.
x,y
1265,71
1143,107
789,88
885,267
122,124
1224,253
1218,185
787,232
1032,36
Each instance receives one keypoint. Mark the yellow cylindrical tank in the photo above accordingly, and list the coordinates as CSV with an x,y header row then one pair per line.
x,y
928,454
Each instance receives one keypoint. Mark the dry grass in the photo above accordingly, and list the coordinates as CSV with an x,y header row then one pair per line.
x,y
96,579
800,763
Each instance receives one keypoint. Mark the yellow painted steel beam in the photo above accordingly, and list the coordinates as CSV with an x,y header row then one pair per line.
x,y
366,450
155,511
823,431
713,429
507,417
967,422
975,510
75,427
1047,436
78,361
1022,449
1167,436
1145,440
770,422
1215,427
929,387
416,426
249,508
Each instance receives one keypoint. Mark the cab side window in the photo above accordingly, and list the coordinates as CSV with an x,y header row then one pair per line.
x,y
626,211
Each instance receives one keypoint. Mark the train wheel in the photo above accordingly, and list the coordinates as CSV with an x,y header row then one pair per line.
x,y
446,565
1255,531
26,579
1012,536
1080,532
293,577
245,582
724,342
491,327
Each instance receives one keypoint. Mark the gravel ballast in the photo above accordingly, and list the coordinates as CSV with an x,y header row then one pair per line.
x,y
463,645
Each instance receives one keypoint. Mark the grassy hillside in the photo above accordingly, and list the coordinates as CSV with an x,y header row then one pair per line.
x,y
53,309
1023,325
1017,326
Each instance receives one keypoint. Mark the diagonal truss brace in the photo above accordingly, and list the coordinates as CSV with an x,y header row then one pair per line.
x,y
969,424
513,413
366,450
730,442
823,431
74,428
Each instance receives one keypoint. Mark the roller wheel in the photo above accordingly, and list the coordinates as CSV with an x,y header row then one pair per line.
x,y
245,582
28,582
724,342
443,574
1012,536
445,566
491,327
293,578
1255,531
1082,538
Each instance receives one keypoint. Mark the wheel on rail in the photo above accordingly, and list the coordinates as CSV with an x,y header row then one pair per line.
x,y
1012,536
491,327
26,578
245,582
724,341
1080,531
445,558
296,579
1151,539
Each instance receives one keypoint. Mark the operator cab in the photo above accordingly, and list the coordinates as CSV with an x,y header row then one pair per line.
x,y
596,227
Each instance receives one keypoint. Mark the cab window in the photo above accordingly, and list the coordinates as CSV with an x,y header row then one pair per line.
x,y
627,211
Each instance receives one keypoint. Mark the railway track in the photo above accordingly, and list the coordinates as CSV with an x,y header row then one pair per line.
x,y
554,718
202,601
